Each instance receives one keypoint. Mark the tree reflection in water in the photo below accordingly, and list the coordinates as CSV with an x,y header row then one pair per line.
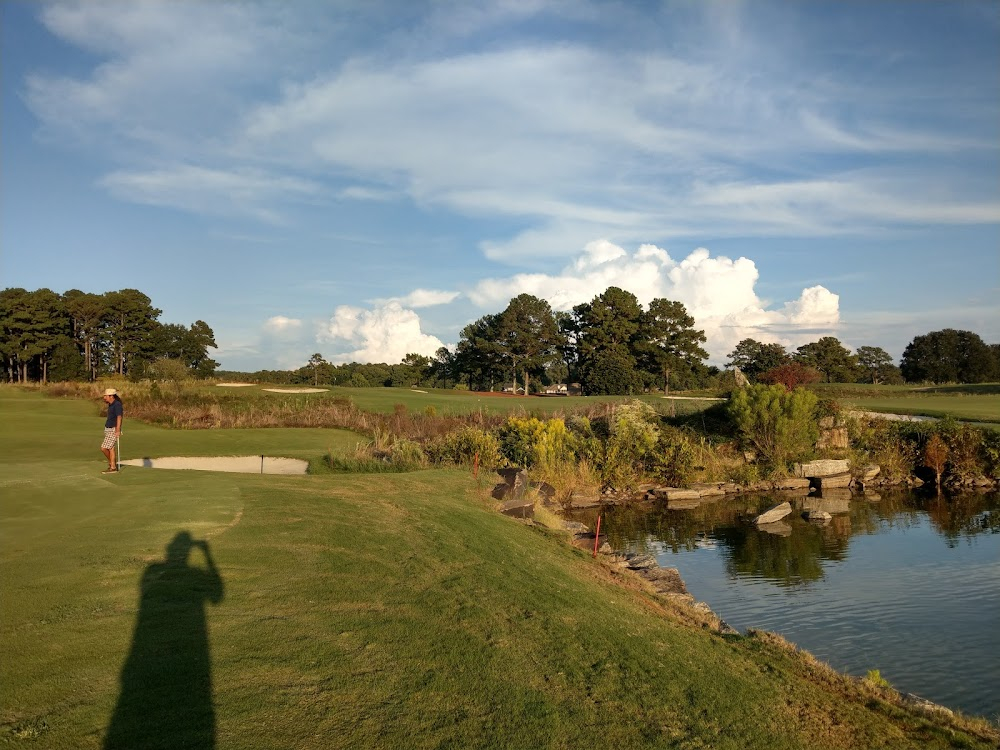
x,y
798,557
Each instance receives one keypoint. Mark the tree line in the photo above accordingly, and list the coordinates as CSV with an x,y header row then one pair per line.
x,y
610,345
946,356
46,336
614,345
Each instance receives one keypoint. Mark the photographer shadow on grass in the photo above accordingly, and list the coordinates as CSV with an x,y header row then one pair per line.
x,y
166,682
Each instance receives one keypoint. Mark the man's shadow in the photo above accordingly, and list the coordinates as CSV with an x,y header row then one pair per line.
x,y
166,683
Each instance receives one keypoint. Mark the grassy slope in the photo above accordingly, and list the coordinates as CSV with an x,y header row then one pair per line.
x,y
366,611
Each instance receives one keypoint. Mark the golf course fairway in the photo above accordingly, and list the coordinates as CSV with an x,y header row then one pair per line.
x,y
189,609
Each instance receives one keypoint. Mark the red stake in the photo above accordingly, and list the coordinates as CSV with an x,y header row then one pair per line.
x,y
597,536
475,466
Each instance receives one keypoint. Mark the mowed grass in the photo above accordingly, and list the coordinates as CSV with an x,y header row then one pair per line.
x,y
440,401
383,611
971,403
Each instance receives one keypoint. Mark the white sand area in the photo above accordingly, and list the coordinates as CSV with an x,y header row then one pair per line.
x,y
237,464
295,390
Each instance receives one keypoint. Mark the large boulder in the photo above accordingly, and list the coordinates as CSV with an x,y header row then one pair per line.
x,y
771,515
641,561
822,468
834,438
869,472
515,484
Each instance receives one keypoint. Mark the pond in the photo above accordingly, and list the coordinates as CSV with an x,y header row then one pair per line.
x,y
908,584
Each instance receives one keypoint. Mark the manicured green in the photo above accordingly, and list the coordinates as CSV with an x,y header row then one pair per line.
x,y
973,403
355,611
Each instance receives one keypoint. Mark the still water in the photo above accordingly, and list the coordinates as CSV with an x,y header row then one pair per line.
x,y
908,585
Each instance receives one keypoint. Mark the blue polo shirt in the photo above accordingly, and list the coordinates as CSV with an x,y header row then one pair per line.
x,y
114,411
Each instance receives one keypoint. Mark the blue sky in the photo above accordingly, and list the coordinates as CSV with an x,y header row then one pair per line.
x,y
363,179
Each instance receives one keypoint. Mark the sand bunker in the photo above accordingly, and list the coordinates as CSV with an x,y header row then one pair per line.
x,y
296,390
237,464
235,385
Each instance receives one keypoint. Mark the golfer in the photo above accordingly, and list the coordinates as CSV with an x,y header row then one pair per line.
x,y
112,428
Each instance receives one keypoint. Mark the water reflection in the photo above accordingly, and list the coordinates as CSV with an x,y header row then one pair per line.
x,y
874,587
794,551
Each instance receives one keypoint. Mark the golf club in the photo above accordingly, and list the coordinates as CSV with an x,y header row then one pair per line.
x,y
118,452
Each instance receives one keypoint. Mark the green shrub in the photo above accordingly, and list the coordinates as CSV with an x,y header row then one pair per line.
x,y
778,424
990,452
462,446
633,433
586,446
404,452
673,460
530,442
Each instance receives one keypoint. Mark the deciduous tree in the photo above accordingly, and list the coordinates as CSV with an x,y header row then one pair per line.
x,y
948,356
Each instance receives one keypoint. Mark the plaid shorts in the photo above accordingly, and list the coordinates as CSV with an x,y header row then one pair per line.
x,y
109,438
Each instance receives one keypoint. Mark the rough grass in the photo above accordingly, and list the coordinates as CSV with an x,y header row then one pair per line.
x,y
361,611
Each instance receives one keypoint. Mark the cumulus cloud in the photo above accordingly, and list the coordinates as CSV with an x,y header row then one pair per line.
x,y
384,334
717,291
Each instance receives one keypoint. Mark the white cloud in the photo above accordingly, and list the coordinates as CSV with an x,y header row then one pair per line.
x,y
281,324
424,298
573,137
384,334
718,292
210,191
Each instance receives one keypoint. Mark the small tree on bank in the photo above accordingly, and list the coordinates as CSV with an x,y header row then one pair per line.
x,y
778,424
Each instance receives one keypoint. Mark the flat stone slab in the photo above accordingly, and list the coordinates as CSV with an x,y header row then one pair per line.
x,y
235,464
792,483
772,515
836,494
676,493
817,516
826,505
823,468
709,490
683,504
584,500
834,480
518,508
778,528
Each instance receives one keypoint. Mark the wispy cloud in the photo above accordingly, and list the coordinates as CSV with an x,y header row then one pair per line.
x,y
210,191
573,140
